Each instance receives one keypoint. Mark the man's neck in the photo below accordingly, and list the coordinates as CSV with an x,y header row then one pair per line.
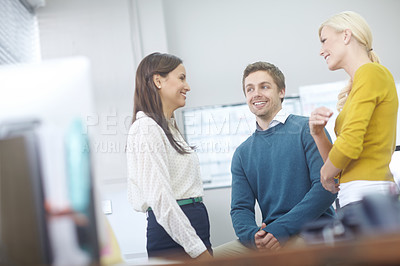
x,y
264,121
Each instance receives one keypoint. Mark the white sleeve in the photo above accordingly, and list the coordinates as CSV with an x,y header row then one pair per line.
x,y
154,182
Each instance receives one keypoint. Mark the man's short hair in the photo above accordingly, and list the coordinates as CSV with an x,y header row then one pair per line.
x,y
274,71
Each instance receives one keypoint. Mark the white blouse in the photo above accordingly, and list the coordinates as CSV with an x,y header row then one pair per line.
x,y
158,176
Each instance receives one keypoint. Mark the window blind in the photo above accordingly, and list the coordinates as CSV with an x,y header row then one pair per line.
x,y
19,33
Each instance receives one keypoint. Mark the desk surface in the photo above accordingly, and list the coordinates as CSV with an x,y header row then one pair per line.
x,y
383,250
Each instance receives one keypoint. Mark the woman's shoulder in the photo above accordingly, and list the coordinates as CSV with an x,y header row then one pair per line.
x,y
142,117
143,124
373,68
376,75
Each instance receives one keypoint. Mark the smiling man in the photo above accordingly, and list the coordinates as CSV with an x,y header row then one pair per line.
x,y
278,166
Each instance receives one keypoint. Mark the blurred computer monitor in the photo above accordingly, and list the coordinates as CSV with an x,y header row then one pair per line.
x,y
24,235
56,94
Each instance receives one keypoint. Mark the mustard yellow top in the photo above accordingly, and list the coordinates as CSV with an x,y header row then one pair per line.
x,y
366,127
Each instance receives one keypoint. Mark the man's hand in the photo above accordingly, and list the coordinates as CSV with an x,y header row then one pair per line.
x,y
266,241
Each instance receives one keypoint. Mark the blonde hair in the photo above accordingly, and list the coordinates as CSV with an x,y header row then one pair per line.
x,y
361,32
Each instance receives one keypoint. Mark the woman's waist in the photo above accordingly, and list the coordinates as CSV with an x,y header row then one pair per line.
x,y
367,168
355,190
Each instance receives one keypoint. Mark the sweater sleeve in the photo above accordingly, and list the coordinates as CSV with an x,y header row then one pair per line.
x,y
242,204
359,109
154,183
315,202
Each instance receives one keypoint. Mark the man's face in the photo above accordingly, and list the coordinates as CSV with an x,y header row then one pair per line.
x,y
262,95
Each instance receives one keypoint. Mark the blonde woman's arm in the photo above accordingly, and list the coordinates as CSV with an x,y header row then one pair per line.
x,y
317,122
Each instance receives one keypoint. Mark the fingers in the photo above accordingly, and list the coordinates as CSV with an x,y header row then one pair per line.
x,y
258,238
322,111
263,225
320,115
260,234
270,241
259,245
276,246
258,241
267,241
330,185
318,120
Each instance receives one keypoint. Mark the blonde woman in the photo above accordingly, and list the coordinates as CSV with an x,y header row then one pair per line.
x,y
366,124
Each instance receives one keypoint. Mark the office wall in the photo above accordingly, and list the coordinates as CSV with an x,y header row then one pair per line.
x,y
216,40
99,30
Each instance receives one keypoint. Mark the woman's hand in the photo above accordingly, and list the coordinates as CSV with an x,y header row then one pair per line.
x,y
318,120
328,173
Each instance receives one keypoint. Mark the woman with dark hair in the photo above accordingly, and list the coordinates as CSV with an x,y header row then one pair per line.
x,y
163,171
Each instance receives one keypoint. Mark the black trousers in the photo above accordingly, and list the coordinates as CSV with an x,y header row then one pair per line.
x,y
160,244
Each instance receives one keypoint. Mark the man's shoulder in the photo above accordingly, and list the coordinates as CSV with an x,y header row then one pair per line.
x,y
297,118
297,121
245,144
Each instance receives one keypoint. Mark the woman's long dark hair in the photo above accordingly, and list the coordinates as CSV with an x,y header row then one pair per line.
x,y
147,99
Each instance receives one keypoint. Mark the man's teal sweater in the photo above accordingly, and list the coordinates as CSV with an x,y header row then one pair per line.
x,y
280,168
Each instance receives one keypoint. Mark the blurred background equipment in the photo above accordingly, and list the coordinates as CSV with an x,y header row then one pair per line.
x,y
48,206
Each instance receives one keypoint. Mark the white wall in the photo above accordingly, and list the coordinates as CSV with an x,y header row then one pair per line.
x,y
99,30
216,40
